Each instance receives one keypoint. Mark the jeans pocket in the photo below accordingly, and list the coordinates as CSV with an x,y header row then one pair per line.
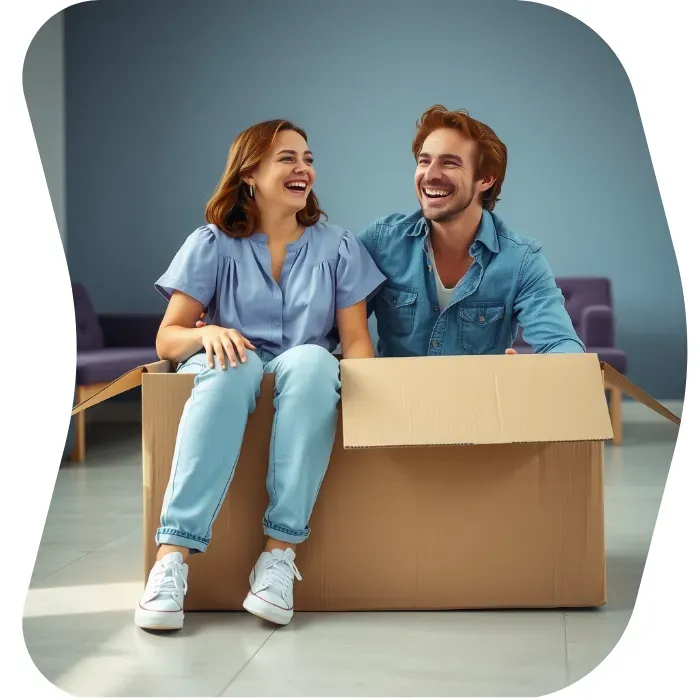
x,y
396,309
480,326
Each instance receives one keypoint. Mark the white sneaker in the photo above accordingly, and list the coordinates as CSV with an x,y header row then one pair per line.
x,y
272,587
162,602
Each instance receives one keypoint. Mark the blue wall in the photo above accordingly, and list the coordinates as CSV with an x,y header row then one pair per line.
x,y
157,89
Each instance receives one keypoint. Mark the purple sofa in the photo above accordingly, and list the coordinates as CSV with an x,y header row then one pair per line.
x,y
107,346
589,303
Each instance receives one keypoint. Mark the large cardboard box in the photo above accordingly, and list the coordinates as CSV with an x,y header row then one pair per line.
x,y
455,483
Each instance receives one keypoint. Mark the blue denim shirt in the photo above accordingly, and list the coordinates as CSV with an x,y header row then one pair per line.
x,y
508,285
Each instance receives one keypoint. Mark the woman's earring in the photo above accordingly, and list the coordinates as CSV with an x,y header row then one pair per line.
x,y
251,189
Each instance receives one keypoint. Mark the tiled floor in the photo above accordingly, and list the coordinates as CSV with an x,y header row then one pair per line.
x,y
78,617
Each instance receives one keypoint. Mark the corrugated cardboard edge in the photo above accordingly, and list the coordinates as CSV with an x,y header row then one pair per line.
x,y
420,445
599,434
619,381
127,381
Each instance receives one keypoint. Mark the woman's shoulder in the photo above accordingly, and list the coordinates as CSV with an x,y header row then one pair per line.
x,y
207,234
325,228
328,240
212,232
332,233
211,235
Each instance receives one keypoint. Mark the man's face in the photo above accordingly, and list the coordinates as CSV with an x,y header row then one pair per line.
x,y
445,175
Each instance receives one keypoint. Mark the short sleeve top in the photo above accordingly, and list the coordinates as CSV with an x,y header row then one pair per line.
x,y
324,270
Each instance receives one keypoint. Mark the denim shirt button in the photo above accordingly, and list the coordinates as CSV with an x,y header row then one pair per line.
x,y
481,319
436,308
435,343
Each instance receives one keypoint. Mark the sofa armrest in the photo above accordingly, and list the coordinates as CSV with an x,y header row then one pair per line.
x,y
598,327
130,330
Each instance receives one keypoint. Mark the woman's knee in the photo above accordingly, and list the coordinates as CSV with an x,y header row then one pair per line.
x,y
310,358
310,370
232,383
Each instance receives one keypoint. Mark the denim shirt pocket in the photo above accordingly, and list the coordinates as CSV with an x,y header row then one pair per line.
x,y
479,325
396,308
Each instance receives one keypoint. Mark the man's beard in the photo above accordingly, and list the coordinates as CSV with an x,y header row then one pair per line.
x,y
452,213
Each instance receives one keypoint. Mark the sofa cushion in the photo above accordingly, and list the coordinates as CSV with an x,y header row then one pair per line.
x,y
104,365
87,326
580,292
130,330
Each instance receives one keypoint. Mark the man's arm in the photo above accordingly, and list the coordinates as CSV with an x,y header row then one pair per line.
x,y
539,309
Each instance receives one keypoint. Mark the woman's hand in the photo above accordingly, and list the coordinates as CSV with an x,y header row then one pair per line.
x,y
223,342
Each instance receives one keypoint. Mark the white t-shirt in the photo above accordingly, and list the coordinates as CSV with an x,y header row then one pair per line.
x,y
444,294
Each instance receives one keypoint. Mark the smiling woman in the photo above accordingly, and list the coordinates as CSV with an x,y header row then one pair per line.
x,y
276,283
231,207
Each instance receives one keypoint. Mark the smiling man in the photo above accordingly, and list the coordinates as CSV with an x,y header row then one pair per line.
x,y
458,280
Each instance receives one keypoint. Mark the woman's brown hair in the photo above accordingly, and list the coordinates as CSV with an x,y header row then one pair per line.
x,y
491,152
231,208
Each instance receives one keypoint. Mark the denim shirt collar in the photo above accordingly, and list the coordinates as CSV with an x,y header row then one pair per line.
x,y
486,234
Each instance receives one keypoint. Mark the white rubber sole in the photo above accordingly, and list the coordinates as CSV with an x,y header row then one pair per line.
x,y
258,607
155,620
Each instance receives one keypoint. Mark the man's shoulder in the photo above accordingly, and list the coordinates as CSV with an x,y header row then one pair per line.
x,y
509,239
394,223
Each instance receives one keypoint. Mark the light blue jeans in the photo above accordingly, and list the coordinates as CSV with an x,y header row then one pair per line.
x,y
211,432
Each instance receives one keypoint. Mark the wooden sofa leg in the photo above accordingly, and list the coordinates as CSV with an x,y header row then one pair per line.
x,y
616,414
83,392
78,452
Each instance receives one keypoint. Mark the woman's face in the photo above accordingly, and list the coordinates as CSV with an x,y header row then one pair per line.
x,y
284,177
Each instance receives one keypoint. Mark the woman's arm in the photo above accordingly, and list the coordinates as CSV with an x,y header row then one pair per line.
x,y
355,340
177,337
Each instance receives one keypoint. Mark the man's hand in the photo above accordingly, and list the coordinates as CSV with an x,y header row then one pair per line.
x,y
509,351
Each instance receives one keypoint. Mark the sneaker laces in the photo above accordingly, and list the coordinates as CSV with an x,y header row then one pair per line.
x,y
280,572
169,580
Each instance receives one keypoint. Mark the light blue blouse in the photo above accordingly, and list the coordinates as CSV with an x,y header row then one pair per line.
x,y
326,269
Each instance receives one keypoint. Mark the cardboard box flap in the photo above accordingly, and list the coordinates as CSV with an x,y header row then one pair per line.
x,y
128,380
619,381
462,400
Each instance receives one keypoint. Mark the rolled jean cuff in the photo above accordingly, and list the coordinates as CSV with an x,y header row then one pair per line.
x,y
177,538
285,534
